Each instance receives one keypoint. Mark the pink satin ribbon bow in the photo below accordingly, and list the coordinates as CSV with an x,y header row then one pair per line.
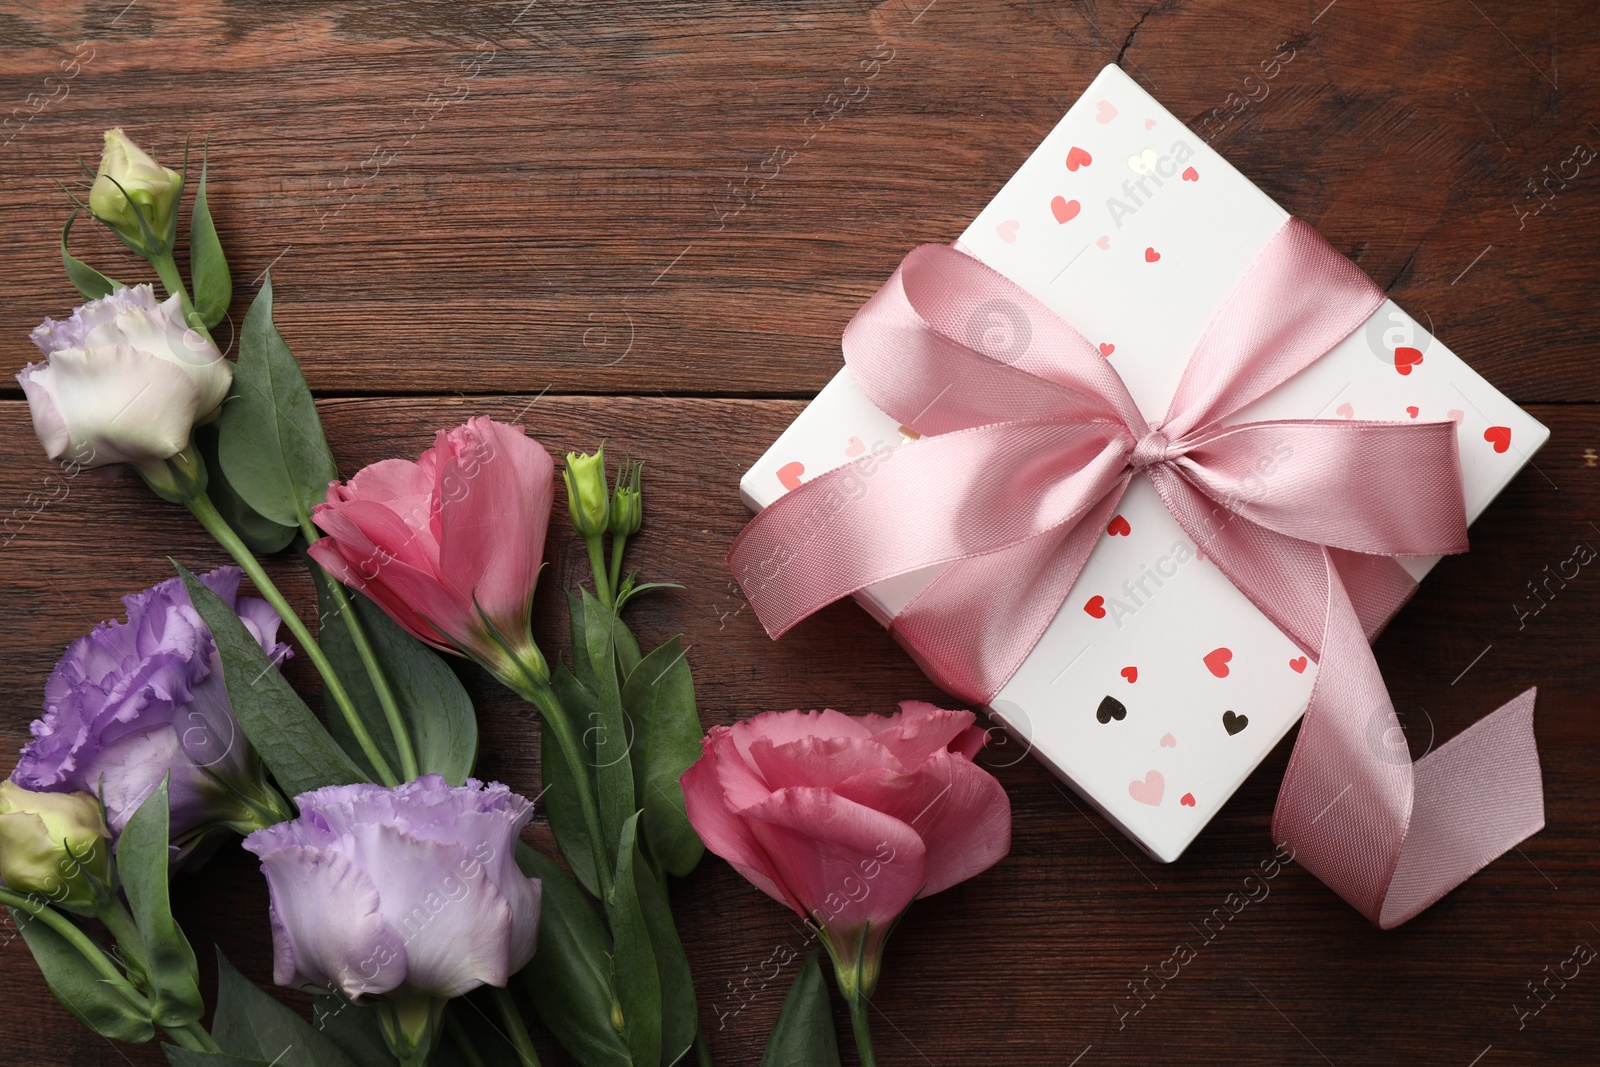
x,y
1030,440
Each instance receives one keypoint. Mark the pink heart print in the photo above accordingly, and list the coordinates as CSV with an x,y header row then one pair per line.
x,y
1149,789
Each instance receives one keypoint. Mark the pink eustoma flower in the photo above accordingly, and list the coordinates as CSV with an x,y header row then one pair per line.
x,y
848,820
450,546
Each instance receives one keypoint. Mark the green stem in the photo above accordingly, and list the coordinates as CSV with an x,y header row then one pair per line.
x,y
369,660
597,563
218,527
862,1025
74,936
618,543
514,1024
193,1037
463,1040
167,270
538,693
702,1049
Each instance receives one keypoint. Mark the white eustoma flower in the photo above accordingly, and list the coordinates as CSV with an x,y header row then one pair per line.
x,y
123,381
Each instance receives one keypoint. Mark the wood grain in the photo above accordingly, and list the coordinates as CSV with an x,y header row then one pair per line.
x,y
561,211
567,226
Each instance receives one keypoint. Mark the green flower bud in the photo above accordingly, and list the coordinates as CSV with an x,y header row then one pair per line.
x,y
54,845
627,506
131,186
588,497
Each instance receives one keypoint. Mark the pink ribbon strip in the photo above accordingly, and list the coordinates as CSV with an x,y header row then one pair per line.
x,y
1030,440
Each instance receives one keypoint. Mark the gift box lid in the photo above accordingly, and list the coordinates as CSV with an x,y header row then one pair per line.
x,y
1159,687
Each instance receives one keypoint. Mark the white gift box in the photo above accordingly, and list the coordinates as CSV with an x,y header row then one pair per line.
x,y
1158,686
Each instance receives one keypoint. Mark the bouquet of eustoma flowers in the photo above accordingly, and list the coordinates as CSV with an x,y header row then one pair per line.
x,y
399,887
401,894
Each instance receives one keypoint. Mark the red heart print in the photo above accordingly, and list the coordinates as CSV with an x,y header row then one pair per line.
x,y
1107,348
1412,411
1345,411
1008,231
1406,358
1077,157
1149,124
1096,607
789,474
1187,800
1168,741
1149,789
1298,665
1130,673
1151,255
1216,661
1104,113
1191,175
1065,210
1104,241
1499,436
854,447
1118,527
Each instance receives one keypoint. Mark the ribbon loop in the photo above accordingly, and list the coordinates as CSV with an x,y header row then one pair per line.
x,y
1031,440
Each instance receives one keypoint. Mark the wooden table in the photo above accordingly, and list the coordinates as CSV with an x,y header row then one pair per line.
x,y
613,220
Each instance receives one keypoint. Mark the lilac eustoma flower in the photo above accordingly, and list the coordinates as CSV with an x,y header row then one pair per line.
x,y
409,895
134,701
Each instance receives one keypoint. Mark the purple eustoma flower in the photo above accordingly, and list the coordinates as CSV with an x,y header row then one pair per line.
x,y
406,896
134,701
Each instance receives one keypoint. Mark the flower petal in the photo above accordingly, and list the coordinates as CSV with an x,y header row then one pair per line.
x,y
327,929
721,826
127,771
781,727
816,761
120,405
409,591
918,730
846,863
48,423
494,490
960,811
454,922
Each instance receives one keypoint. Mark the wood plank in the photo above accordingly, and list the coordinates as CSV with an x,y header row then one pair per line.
x,y
1031,962
625,198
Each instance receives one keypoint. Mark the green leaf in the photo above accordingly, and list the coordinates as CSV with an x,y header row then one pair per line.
x,y
569,980
208,267
609,733
628,654
90,283
253,1024
634,969
259,532
680,1014
354,1028
142,865
580,645
434,704
182,1057
560,784
273,449
803,1035
105,1007
294,745
659,699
